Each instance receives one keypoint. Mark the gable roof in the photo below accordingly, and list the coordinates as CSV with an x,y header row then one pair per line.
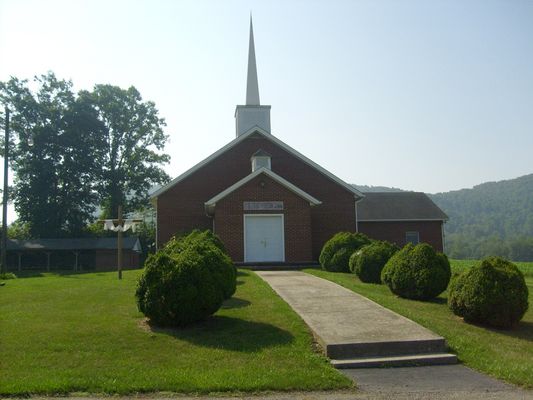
x,y
239,139
128,243
398,206
210,204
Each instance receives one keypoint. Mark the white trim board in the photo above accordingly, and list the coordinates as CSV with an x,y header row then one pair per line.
x,y
239,139
210,204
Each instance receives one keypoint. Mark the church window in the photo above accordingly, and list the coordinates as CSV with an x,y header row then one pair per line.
x,y
412,237
260,159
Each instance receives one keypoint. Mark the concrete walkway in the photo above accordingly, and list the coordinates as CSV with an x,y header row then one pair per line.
x,y
354,331
348,325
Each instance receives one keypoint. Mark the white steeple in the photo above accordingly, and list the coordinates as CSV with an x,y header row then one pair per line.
x,y
253,113
252,86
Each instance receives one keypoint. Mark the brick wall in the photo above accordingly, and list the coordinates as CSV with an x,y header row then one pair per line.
x,y
181,208
229,218
429,231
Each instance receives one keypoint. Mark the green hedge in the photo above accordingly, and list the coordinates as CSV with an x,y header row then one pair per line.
x,y
335,254
178,243
493,292
186,281
368,261
417,272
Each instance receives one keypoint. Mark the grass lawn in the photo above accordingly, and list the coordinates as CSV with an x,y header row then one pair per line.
x,y
506,355
82,333
461,265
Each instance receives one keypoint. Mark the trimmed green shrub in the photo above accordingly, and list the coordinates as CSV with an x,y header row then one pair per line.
x,y
335,254
353,259
369,260
218,261
493,292
7,275
417,272
178,243
186,281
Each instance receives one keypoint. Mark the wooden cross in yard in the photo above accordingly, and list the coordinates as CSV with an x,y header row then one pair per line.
x,y
119,225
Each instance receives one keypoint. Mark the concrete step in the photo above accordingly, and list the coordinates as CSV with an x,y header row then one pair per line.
x,y
396,361
384,348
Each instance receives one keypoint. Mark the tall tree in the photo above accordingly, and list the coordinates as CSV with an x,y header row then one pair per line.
x,y
134,138
56,143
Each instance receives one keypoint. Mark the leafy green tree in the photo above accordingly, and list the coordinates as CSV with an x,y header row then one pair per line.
x,y
18,230
134,138
521,248
494,218
55,146
492,246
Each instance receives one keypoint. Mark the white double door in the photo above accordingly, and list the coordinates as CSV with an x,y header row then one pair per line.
x,y
264,238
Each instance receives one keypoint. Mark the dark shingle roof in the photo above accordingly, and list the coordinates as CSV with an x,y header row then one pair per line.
x,y
72,244
398,206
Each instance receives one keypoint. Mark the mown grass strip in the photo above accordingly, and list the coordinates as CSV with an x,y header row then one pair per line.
x,y
461,265
82,333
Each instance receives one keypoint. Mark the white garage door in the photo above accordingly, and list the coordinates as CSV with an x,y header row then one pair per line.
x,y
263,238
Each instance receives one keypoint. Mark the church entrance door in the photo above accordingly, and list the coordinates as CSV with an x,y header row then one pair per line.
x,y
263,238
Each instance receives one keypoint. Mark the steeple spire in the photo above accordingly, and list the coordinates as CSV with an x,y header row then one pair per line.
x,y
252,86
253,114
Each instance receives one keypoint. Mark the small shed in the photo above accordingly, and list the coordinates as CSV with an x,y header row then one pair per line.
x,y
77,254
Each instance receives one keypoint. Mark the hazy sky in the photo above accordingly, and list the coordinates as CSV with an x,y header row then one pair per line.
x,y
422,95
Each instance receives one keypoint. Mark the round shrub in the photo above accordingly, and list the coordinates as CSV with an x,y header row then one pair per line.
x,y
352,261
492,292
219,264
178,243
200,240
335,254
369,260
181,287
205,236
417,272
7,275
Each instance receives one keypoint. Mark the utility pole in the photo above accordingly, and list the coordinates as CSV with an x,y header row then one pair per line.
x,y
119,242
118,225
4,201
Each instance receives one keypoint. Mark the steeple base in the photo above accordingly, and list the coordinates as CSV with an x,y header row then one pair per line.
x,y
246,117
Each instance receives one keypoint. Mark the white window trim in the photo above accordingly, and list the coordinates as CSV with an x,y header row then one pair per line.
x,y
256,162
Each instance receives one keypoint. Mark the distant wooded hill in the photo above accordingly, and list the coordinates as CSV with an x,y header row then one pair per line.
x,y
365,188
493,218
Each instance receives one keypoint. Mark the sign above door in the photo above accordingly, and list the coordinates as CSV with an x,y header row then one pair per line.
x,y
263,205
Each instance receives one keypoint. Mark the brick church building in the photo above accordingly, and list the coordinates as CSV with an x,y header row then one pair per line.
x,y
271,204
